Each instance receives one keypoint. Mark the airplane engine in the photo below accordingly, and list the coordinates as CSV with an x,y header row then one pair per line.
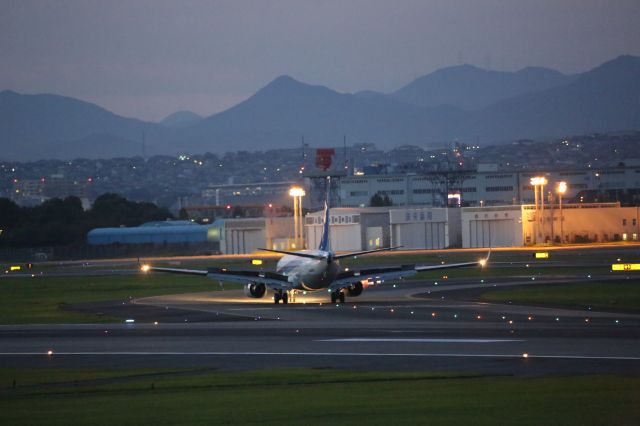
x,y
255,290
355,289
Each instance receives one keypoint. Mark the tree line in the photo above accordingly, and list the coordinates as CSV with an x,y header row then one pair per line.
x,y
61,222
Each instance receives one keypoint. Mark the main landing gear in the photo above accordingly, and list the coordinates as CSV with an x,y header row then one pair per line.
x,y
285,296
337,295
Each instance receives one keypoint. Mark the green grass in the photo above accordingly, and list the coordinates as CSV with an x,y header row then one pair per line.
x,y
604,295
314,397
39,299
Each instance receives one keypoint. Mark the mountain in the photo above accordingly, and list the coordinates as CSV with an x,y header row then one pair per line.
x,y
282,112
181,119
607,98
31,125
469,87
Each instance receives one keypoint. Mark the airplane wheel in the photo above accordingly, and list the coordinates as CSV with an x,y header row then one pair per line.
x,y
341,296
285,298
334,296
276,298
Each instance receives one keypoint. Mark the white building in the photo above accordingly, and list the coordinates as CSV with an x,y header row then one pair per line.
x,y
352,229
509,226
240,236
486,187
499,226
425,228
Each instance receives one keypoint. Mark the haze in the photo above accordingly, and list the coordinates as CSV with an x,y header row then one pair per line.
x,y
147,59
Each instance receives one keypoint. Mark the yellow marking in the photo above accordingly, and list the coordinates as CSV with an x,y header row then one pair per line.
x,y
625,267
542,255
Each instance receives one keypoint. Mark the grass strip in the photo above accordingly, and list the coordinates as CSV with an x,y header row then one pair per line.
x,y
615,295
321,396
38,299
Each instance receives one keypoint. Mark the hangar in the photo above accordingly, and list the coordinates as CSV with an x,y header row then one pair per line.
x,y
425,228
158,233
499,226
352,229
229,236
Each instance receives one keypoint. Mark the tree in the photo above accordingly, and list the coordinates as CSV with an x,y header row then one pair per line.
x,y
380,200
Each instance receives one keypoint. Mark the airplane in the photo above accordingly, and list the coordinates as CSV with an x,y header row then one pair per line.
x,y
313,270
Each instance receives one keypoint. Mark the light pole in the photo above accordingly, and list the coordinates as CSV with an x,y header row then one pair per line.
x,y
538,182
562,188
297,193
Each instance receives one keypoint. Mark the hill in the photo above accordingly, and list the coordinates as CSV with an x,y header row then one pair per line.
x,y
469,87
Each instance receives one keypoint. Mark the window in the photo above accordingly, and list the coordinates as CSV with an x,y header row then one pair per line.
x,y
498,176
624,222
499,188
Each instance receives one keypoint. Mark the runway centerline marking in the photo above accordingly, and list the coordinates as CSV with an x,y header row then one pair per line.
x,y
425,340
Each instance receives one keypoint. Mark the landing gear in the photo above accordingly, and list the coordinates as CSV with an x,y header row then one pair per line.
x,y
281,295
337,295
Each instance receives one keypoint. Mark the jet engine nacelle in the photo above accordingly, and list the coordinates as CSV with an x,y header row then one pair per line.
x,y
355,289
255,290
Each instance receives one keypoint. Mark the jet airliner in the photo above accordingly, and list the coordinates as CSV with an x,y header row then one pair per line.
x,y
313,270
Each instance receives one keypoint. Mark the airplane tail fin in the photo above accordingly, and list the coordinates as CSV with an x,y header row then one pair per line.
x,y
324,241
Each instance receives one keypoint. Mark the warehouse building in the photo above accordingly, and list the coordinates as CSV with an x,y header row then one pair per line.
x,y
157,233
227,236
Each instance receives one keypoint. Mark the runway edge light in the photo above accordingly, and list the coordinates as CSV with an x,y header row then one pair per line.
x,y
541,255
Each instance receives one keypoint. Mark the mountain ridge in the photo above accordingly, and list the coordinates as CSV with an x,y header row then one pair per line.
x,y
604,98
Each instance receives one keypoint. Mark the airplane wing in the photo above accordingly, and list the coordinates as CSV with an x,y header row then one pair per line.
x,y
358,253
271,279
347,278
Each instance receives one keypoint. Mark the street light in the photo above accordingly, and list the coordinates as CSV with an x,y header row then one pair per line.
x,y
297,193
562,188
538,182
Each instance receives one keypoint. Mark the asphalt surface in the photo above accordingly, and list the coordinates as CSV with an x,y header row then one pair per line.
x,y
410,326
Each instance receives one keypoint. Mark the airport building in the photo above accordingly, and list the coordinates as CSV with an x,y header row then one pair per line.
x,y
509,226
489,186
354,229
425,228
156,233
227,236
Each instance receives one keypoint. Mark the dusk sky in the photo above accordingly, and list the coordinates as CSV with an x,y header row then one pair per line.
x,y
149,58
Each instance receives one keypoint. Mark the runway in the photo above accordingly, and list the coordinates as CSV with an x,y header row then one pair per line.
x,y
410,326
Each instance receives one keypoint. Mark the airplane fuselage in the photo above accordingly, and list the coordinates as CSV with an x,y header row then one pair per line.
x,y
309,274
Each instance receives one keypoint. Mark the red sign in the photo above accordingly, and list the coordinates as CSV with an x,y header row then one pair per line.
x,y
324,158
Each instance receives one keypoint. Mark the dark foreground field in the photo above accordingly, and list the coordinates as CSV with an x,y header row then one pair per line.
x,y
137,397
